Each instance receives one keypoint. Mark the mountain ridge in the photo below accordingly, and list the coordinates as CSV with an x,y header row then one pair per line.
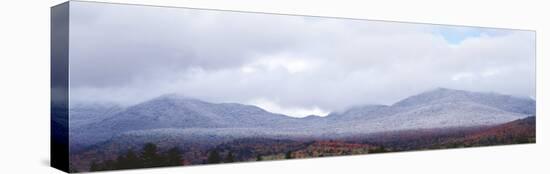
x,y
431,109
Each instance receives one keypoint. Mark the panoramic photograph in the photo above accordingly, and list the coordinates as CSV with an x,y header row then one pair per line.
x,y
156,87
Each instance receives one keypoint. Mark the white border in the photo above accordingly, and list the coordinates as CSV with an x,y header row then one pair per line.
x,y
24,71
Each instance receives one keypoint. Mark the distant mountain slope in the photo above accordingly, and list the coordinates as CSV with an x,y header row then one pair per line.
x,y
173,111
168,112
359,112
442,95
437,108
178,117
87,113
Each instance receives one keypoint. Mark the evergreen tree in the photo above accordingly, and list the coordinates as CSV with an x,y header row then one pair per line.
x,y
121,162
259,158
213,157
94,166
230,158
288,155
132,160
108,165
383,149
380,149
128,161
150,156
173,157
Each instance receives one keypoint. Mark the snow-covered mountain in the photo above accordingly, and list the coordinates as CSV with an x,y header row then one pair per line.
x,y
174,111
359,112
439,108
167,112
178,117
498,101
87,113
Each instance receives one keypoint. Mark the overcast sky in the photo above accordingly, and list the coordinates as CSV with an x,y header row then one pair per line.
x,y
293,65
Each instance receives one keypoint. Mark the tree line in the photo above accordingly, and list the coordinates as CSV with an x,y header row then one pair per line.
x,y
151,157
148,157
214,157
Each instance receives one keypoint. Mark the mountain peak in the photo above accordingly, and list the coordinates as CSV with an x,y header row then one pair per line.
x,y
446,95
442,89
445,90
312,117
174,96
431,95
177,98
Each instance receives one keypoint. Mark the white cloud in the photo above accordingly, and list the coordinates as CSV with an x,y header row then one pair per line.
x,y
295,112
291,63
294,64
490,72
463,76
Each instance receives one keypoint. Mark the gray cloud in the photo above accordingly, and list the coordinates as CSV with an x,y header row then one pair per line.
x,y
288,64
